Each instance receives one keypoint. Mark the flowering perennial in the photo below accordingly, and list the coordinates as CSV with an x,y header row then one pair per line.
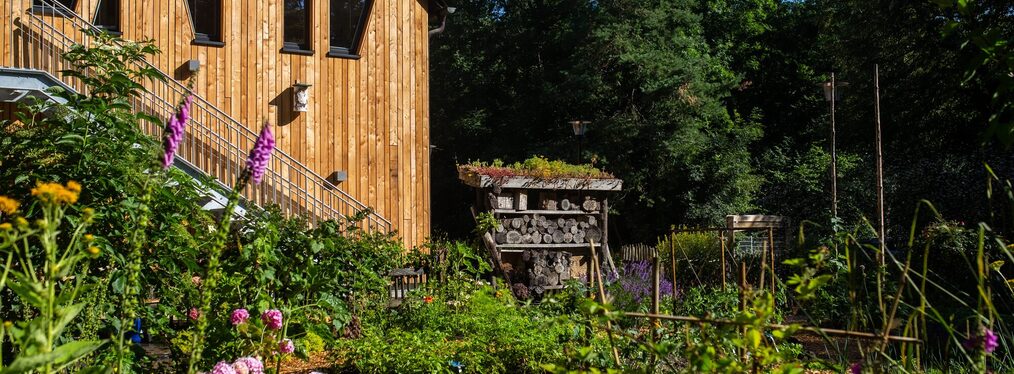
x,y
54,193
239,316
286,346
260,155
987,341
223,367
635,280
194,314
248,365
272,318
174,131
8,205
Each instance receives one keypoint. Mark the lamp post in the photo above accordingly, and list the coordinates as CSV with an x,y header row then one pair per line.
x,y
832,96
580,128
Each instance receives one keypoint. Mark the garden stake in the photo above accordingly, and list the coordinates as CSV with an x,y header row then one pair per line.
x,y
672,260
742,302
771,243
656,274
602,296
763,266
721,239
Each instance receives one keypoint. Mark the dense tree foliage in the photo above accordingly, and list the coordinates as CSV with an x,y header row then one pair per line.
x,y
708,108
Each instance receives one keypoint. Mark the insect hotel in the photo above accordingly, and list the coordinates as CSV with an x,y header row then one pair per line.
x,y
546,226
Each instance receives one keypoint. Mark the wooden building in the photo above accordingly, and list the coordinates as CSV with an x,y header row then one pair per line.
x,y
343,82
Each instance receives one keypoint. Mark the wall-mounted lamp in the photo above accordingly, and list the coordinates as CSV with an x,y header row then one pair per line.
x,y
193,66
338,176
301,97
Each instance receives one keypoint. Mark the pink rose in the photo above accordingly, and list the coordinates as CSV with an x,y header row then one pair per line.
x,y
194,314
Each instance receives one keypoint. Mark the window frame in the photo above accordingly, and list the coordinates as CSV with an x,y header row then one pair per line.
x,y
351,52
296,48
204,39
115,29
51,11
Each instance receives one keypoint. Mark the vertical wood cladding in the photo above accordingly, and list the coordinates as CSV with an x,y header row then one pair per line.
x,y
367,116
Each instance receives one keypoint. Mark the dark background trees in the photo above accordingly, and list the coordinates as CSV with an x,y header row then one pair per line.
x,y
708,108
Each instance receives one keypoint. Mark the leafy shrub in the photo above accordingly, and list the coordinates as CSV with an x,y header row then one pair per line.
x,y
487,332
698,257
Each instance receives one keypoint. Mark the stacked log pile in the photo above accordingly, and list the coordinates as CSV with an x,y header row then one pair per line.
x,y
546,269
540,229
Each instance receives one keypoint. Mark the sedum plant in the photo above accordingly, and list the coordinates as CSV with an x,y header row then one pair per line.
x,y
46,267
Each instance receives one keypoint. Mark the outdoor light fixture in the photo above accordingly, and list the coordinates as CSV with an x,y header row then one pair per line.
x,y
300,97
337,177
838,87
193,66
580,127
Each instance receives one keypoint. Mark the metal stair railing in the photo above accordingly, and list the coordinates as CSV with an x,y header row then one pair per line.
x,y
215,143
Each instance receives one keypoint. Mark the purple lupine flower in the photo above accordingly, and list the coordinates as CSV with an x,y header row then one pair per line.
x,y
286,346
272,318
223,367
174,131
248,365
239,316
260,155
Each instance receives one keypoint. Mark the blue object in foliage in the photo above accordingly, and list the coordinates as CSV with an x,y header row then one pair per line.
x,y
135,334
456,365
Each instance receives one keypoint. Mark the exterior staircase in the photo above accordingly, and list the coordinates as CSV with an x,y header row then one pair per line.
x,y
215,144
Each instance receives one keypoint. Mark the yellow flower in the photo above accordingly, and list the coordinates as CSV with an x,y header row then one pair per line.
x,y
54,193
93,250
8,324
21,221
8,205
89,237
6,226
74,186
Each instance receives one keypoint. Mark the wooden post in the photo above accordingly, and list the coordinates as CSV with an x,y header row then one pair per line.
x,y
880,166
672,261
742,303
763,265
656,274
834,153
721,239
771,244
602,297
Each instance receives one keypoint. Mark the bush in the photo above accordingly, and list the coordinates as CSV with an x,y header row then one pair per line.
x,y
698,257
487,332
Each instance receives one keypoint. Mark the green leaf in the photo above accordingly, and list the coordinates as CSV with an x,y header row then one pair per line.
x,y
59,357
28,291
96,370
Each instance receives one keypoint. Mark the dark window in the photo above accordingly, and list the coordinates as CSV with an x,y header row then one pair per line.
x,y
50,7
207,19
348,17
108,15
297,25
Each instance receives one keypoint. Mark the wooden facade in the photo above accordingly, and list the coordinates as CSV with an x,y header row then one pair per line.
x,y
368,116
